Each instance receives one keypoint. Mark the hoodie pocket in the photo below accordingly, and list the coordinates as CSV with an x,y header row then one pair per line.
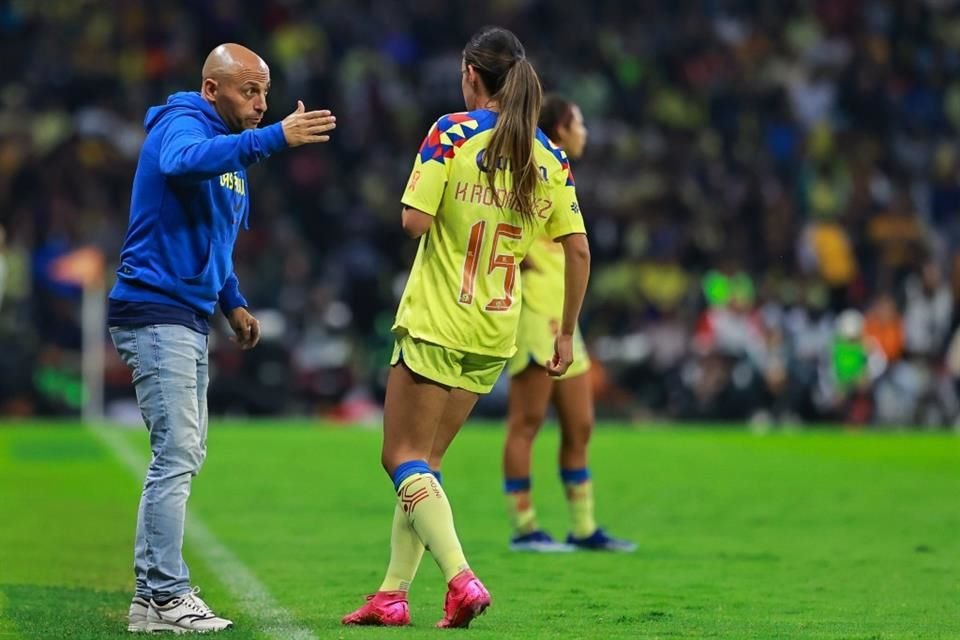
x,y
205,269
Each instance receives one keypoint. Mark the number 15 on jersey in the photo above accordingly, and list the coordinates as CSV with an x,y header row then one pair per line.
x,y
505,261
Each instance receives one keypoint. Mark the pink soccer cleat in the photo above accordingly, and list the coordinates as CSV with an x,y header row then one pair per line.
x,y
466,599
383,609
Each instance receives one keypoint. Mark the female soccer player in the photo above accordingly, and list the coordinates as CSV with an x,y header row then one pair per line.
x,y
531,388
484,184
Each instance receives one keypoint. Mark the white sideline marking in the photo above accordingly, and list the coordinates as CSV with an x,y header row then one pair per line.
x,y
250,594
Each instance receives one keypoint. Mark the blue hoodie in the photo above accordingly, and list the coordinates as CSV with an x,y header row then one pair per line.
x,y
190,196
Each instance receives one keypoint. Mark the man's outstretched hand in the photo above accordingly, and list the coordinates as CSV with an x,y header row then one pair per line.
x,y
308,127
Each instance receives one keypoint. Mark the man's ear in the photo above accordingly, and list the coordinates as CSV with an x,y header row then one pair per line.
x,y
208,90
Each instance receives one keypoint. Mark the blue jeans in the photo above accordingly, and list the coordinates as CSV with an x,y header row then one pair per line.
x,y
169,365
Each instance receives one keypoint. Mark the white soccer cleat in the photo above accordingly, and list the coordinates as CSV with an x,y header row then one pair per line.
x,y
137,616
185,613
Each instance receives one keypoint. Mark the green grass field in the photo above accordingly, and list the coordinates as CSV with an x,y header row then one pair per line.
x,y
812,535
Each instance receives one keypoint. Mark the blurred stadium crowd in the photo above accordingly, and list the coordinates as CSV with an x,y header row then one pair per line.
x,y
772,191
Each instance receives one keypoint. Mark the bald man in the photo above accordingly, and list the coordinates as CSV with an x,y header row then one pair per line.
x,y
190,197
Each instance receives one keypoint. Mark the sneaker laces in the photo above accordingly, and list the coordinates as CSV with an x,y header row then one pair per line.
x,y
193,601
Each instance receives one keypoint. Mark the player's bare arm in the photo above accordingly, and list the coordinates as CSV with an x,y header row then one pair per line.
x,y
415,222
576,252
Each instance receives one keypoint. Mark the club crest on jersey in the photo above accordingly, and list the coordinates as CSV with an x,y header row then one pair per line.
x,y
412,186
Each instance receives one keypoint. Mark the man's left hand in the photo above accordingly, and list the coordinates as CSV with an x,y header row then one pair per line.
x,y
245,327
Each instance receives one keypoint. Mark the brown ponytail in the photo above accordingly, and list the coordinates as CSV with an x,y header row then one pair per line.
x,y
512,81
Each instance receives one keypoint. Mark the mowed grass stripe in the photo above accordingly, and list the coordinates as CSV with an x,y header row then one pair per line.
x,y
246,589
66,538
62,502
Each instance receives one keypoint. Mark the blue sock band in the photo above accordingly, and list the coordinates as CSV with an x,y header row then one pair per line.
x,y
512,485
439,476
574,476
407,469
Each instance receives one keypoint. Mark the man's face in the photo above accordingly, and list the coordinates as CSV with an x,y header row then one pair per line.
x,y
240,98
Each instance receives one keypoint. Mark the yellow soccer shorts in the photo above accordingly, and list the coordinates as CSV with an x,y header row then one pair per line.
x,y
451,367
535,338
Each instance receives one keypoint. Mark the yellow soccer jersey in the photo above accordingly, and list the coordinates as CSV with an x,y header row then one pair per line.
x,y
464,288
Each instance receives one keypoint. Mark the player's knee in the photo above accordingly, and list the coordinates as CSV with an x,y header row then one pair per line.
x,y
576,437
526,424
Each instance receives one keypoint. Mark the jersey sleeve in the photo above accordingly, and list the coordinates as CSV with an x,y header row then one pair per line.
x,y
431,170
565,217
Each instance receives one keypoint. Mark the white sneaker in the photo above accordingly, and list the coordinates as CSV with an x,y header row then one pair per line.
x,y
137,617
186,613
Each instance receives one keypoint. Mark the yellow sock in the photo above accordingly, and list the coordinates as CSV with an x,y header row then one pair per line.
x,y
406,551
428,511
522,514
580,502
